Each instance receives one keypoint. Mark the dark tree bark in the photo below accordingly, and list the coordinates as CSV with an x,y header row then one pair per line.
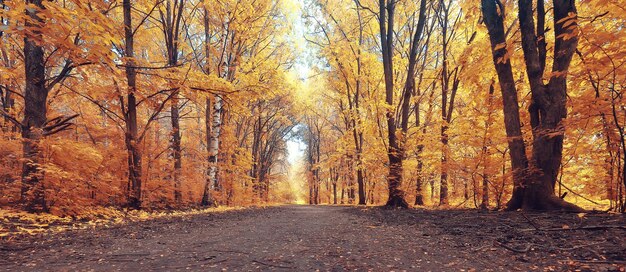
x,y
175,146
396,150
419,197
170,23
449,85
334,174
207,198
10,124
35,98
422,125
534,180
419,179
356,124
620,203
7,105
410,89
484,204
130,114
494,21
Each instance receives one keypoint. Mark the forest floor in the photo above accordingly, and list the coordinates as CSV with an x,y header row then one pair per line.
x,y
330,238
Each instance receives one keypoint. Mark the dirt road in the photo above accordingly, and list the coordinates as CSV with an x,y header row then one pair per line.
x,y
305,238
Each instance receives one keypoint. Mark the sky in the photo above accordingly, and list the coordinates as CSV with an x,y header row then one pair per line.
x,y
301,70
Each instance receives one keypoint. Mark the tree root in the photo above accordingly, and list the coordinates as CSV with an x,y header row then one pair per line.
x,y
543,203
397,202
516,250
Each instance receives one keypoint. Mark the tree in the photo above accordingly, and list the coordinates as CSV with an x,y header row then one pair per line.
x,y
171,25
35,118
35,125
535,179
396,150
133,136
484,203
130,114
449,86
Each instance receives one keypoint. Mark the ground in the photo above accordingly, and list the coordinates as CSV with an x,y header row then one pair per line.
x,y
327,238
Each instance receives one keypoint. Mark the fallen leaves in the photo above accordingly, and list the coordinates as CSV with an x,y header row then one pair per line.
x,y
16,222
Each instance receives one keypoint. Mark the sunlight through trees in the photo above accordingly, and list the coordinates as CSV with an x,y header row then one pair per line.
x,y
171,104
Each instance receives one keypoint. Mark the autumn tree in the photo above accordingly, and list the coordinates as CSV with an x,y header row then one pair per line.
x,y
386,14
170,20
535,179
450,74
39,82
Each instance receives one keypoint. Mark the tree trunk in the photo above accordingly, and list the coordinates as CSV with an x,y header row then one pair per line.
x,y
335,192
310,193
449,86
623,207
8,102
358,135
534,182
420,180
176,149
372,194
130,116
394,151
343,191
214,147
419,196
134,153
360,181
170,22
443,187
207,198
484,204
35,97
494,21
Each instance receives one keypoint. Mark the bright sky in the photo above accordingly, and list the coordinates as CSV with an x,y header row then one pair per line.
x,y
296,151
301,69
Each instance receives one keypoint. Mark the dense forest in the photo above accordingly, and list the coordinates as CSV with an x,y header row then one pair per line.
x,y
175,104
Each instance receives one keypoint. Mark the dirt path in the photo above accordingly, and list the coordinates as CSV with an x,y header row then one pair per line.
x,y
304,238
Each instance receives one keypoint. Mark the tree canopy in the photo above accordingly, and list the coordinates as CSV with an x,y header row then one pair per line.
x,y
155,104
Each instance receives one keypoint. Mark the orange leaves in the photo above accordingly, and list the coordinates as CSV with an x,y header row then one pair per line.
x,y
279,77
500,46
569,23
558,74
507,53
569,20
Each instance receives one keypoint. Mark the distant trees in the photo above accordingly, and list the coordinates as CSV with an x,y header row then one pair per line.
x,y
312,136
269,130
